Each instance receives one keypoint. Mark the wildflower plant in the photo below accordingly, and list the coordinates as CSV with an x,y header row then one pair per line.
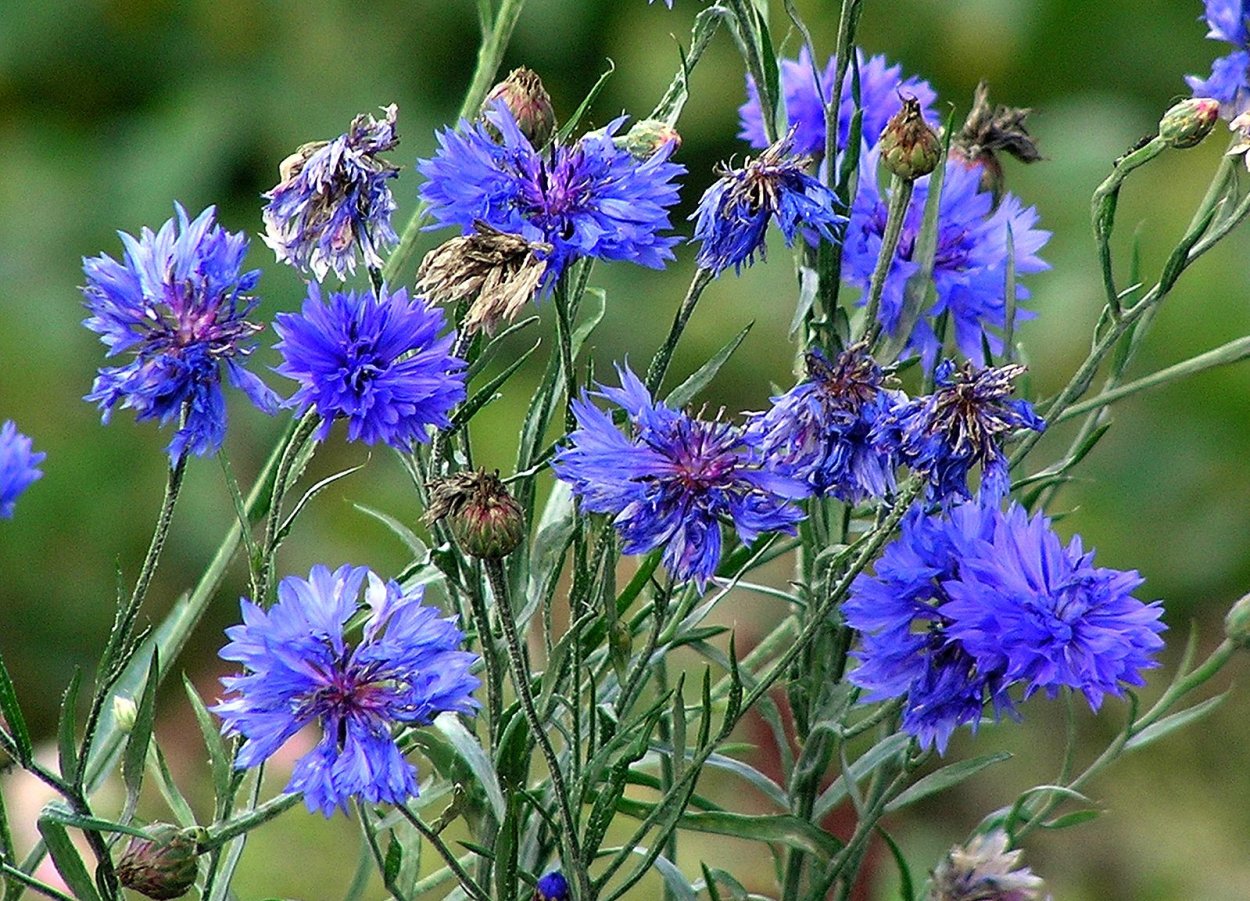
x,y
509,703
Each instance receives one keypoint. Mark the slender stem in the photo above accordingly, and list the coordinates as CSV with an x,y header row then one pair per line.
x,y
11,872
467,882
900,199
490,655
307,424
564,337
220,834
520,679
744,12
663,356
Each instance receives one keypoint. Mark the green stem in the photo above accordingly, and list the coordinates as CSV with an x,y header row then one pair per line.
x,y
467,882
564,337
17,875
900,199
748,44
224,832
307,424
663,356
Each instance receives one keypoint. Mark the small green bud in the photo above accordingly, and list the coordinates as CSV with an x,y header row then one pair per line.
x,y
528,101
1188,122
649,136
484,518
1237,623
124,713
162,865
909,148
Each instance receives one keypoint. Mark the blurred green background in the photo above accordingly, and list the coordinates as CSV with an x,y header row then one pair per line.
x,y
112,109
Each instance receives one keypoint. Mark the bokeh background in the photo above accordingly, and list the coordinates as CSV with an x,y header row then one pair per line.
x,y
112,109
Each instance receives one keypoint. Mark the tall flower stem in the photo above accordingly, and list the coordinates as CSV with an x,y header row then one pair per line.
x,y
900,199
570,847
467,882
663,356
564,337
281,482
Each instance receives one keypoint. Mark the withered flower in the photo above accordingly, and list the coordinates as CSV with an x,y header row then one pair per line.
x,y
989,130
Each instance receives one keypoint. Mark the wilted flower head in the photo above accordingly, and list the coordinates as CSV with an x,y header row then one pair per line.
x,y
880,86
587,199
734,213
334,198
819,431
988,131
504,272
375,360
484,517
984,870
969,267
963,423
672,479
177,302
552,887
161,866
406,669
18,466
1229,82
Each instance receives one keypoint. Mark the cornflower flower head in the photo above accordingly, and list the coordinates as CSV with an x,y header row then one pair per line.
x,y
1229,82
803,87
984,870
905,650
590,198
376,360
177,302
960,425
1044,615
406,668
334,199
672,479
970,265
19,466
733,215
820,430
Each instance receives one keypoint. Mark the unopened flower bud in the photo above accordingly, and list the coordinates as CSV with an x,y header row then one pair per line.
x,y
528,101
484,518
1188,122
552,887
649,136
981,870
1237,623
909,148
124,713
162,865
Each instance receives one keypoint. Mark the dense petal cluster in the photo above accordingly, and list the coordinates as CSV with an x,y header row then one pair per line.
x,y
376,360
984,870
672,479
880,87
333,199
960,425
588,199
177,301
1229,82
733,214
976,240
970,601
19,466
406,669
820,431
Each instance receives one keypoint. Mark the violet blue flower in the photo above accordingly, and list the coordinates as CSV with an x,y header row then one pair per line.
x,y
177,303
552,887
1229,82
406,669
18,466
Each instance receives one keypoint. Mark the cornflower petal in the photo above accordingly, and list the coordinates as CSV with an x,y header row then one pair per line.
x,y
18,466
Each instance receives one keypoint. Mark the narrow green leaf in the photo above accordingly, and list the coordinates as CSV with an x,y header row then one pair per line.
x,y
471,753
488,352
63,816
313,490
906,886
487,392
134,756
393,861
1075,818
889,748
687,390
563,135
169,790
13,716
782,828
672,877
67,729
1170,724
419,549
767,786
809,282
218,756
67,860
709,883
944,778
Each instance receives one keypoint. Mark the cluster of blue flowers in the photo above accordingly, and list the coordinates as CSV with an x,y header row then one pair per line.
x,y
1229,82
970,601
406,669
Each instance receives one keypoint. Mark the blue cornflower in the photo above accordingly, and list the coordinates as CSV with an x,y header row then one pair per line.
x,y
672,480
333,198
18,466
734,213
880,86
177,302
1042,614
820,430
961,424
970,265
375,360
905,647
406,669
588,199
1229,83
552,887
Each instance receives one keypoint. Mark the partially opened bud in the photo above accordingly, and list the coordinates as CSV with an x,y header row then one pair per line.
x,y
528,101
162,865
649,136
1237,623
1188,122
909,148
484,518
124,713
984,870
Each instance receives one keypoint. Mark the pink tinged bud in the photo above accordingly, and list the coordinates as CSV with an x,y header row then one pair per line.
x,y
528,101
1188,122
162,865
648,136
909,148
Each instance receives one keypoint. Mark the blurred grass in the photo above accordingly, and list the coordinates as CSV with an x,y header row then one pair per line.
x,y
112,109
